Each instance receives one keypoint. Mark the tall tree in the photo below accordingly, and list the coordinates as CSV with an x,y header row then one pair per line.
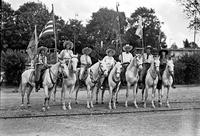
x,y
103,27
192,10
151,28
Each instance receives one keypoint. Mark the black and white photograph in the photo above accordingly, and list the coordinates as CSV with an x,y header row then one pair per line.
x,y
100,68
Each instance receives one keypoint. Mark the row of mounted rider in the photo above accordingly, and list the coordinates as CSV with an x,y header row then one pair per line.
x,y
85,60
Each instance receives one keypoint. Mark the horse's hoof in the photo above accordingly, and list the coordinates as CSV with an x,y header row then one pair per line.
x,y
92,106
114,107
136,106
43,109
160,104
168,106
76,102
28,105
48,107
88,107
126,105
96,103
110,108
153,106
64,108
69,107
117,102
102,102
144,105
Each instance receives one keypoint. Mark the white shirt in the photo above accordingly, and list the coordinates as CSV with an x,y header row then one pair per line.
x,y
85,59
66,54
126,57
110,61
42,59
149,59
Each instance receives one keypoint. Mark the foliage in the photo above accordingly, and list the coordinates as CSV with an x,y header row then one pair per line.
x,y
13,63
186,43
192,10
174,46
151,28
187,69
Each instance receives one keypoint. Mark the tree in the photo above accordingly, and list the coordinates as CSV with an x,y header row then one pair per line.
x,y
192,10
151,28
103,27
194,45
186,44
174,46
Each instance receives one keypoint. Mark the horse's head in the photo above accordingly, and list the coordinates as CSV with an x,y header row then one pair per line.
x,y
118,70
63,69
103,68
170,66
156,63
73,64
139,62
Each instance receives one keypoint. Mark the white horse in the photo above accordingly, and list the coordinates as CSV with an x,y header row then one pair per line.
x,y
69,82
49,78
114,82
132,77
95,77
151,80
167,81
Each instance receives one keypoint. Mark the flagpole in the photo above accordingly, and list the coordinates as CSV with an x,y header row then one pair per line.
x,y
118,22
55,36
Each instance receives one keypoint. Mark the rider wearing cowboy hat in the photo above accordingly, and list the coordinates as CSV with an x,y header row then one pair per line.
x,y
125,59
85,61
126,56
108,59
40,66
67,53
147,59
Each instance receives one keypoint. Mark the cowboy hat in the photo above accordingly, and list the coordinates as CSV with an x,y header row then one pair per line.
x,y
68,44
148,47
163,50
42,48
86,50
127,47
110,51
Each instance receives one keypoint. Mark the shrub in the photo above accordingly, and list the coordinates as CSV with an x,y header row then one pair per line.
x,y
187,69
13,64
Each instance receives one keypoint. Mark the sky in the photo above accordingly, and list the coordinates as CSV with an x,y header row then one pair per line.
x,y
168,11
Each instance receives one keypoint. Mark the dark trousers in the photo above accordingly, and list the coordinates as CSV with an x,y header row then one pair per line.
x,y
143,73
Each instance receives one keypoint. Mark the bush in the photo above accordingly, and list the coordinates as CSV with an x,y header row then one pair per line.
x,y
187,69
13,64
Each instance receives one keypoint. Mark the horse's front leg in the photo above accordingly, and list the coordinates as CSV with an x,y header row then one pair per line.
x,y
88,95
54,93
70,97
30,88
153,96
146,96
97,95
102,95
134,95
159,97
92,96
167,98
50,93
76,97
110,97
117,92
46,98
63,91
127,94
23,90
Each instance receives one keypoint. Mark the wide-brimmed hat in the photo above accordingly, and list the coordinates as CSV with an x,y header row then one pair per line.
x,y
164,50
68,44
86,50
127,47
42,48
110,51
149,47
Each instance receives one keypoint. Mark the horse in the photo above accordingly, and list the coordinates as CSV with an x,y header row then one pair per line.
x,y
167,81
151,80
95,77
132,77
114,82
50,76
69,82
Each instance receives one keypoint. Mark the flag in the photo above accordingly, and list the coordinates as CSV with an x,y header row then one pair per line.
x,y
48,29
32,46
139,31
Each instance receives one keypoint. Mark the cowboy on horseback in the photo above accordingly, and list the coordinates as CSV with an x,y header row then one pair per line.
x,y
108,59
163,53
86,61
125,59
40,66
67,53
147,59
